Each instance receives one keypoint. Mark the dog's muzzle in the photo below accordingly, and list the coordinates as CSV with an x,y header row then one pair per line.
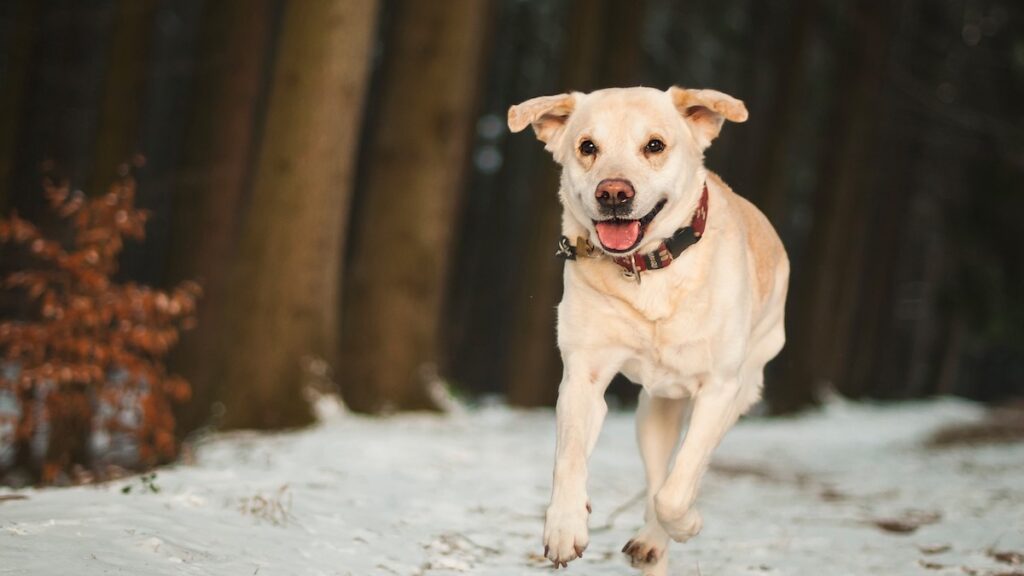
x,y
620,235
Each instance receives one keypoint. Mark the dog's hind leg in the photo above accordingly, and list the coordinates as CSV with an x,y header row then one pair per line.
x,y
716,408
658,425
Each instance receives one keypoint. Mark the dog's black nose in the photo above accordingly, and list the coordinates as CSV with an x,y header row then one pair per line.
x,y
614,193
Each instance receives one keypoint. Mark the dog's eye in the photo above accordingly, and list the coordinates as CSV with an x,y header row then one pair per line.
x,y
588,148
655,146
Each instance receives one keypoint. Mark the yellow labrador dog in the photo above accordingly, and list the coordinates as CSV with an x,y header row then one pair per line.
x,y
671,279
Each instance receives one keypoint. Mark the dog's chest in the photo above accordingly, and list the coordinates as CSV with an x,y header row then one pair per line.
x,y
673,357
664,326
675,377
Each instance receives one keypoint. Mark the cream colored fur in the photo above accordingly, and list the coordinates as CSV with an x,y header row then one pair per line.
x,y
695,335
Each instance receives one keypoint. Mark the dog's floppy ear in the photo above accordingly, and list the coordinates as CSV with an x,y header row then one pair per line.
x,y
547,115
706,110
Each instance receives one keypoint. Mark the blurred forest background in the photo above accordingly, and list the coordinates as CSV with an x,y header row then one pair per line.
x,y
338,177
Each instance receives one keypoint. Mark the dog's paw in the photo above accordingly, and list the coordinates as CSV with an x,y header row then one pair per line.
x,y
648,548
680,526
565,533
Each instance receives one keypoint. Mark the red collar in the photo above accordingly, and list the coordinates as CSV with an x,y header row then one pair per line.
x,y
660,257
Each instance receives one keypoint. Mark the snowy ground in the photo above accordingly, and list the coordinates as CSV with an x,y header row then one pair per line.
x,y
465,494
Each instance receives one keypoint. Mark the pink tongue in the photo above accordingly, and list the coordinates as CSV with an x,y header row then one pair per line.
x,y
618,235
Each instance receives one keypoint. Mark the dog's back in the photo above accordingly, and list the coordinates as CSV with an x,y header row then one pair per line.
x,y
764,247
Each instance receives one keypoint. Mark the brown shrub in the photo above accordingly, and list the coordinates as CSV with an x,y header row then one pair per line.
x,y
89,350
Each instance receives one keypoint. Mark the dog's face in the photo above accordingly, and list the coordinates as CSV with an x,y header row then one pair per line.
x,y
629,156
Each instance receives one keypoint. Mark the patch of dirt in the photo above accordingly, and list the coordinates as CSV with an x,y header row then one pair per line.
x,y
832,494
1003,425
744,470
1006,557
759,472
935,549
908,522
536,559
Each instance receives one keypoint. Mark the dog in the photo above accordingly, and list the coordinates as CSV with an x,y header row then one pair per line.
x,y
671,279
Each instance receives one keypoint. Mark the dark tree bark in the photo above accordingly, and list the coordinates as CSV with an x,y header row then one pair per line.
x,y
876,338
124,85
212,183
284,290
824,301
19,21
788,102
60,101
415,162
170,69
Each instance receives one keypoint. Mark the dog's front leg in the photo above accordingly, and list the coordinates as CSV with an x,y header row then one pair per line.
x,y
580,411
715,410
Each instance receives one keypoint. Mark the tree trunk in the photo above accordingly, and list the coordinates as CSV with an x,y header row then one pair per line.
x,y
58,112
788,101
415,160
124,87
284,289
899,160
823,305
15,56
217,162
852,221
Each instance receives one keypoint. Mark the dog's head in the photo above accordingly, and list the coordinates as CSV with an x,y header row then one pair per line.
x,y
629,156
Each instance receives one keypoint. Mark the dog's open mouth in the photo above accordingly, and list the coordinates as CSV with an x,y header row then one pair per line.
x,y
622,235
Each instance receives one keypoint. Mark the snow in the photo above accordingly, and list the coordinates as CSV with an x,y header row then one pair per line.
x,y
465,494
